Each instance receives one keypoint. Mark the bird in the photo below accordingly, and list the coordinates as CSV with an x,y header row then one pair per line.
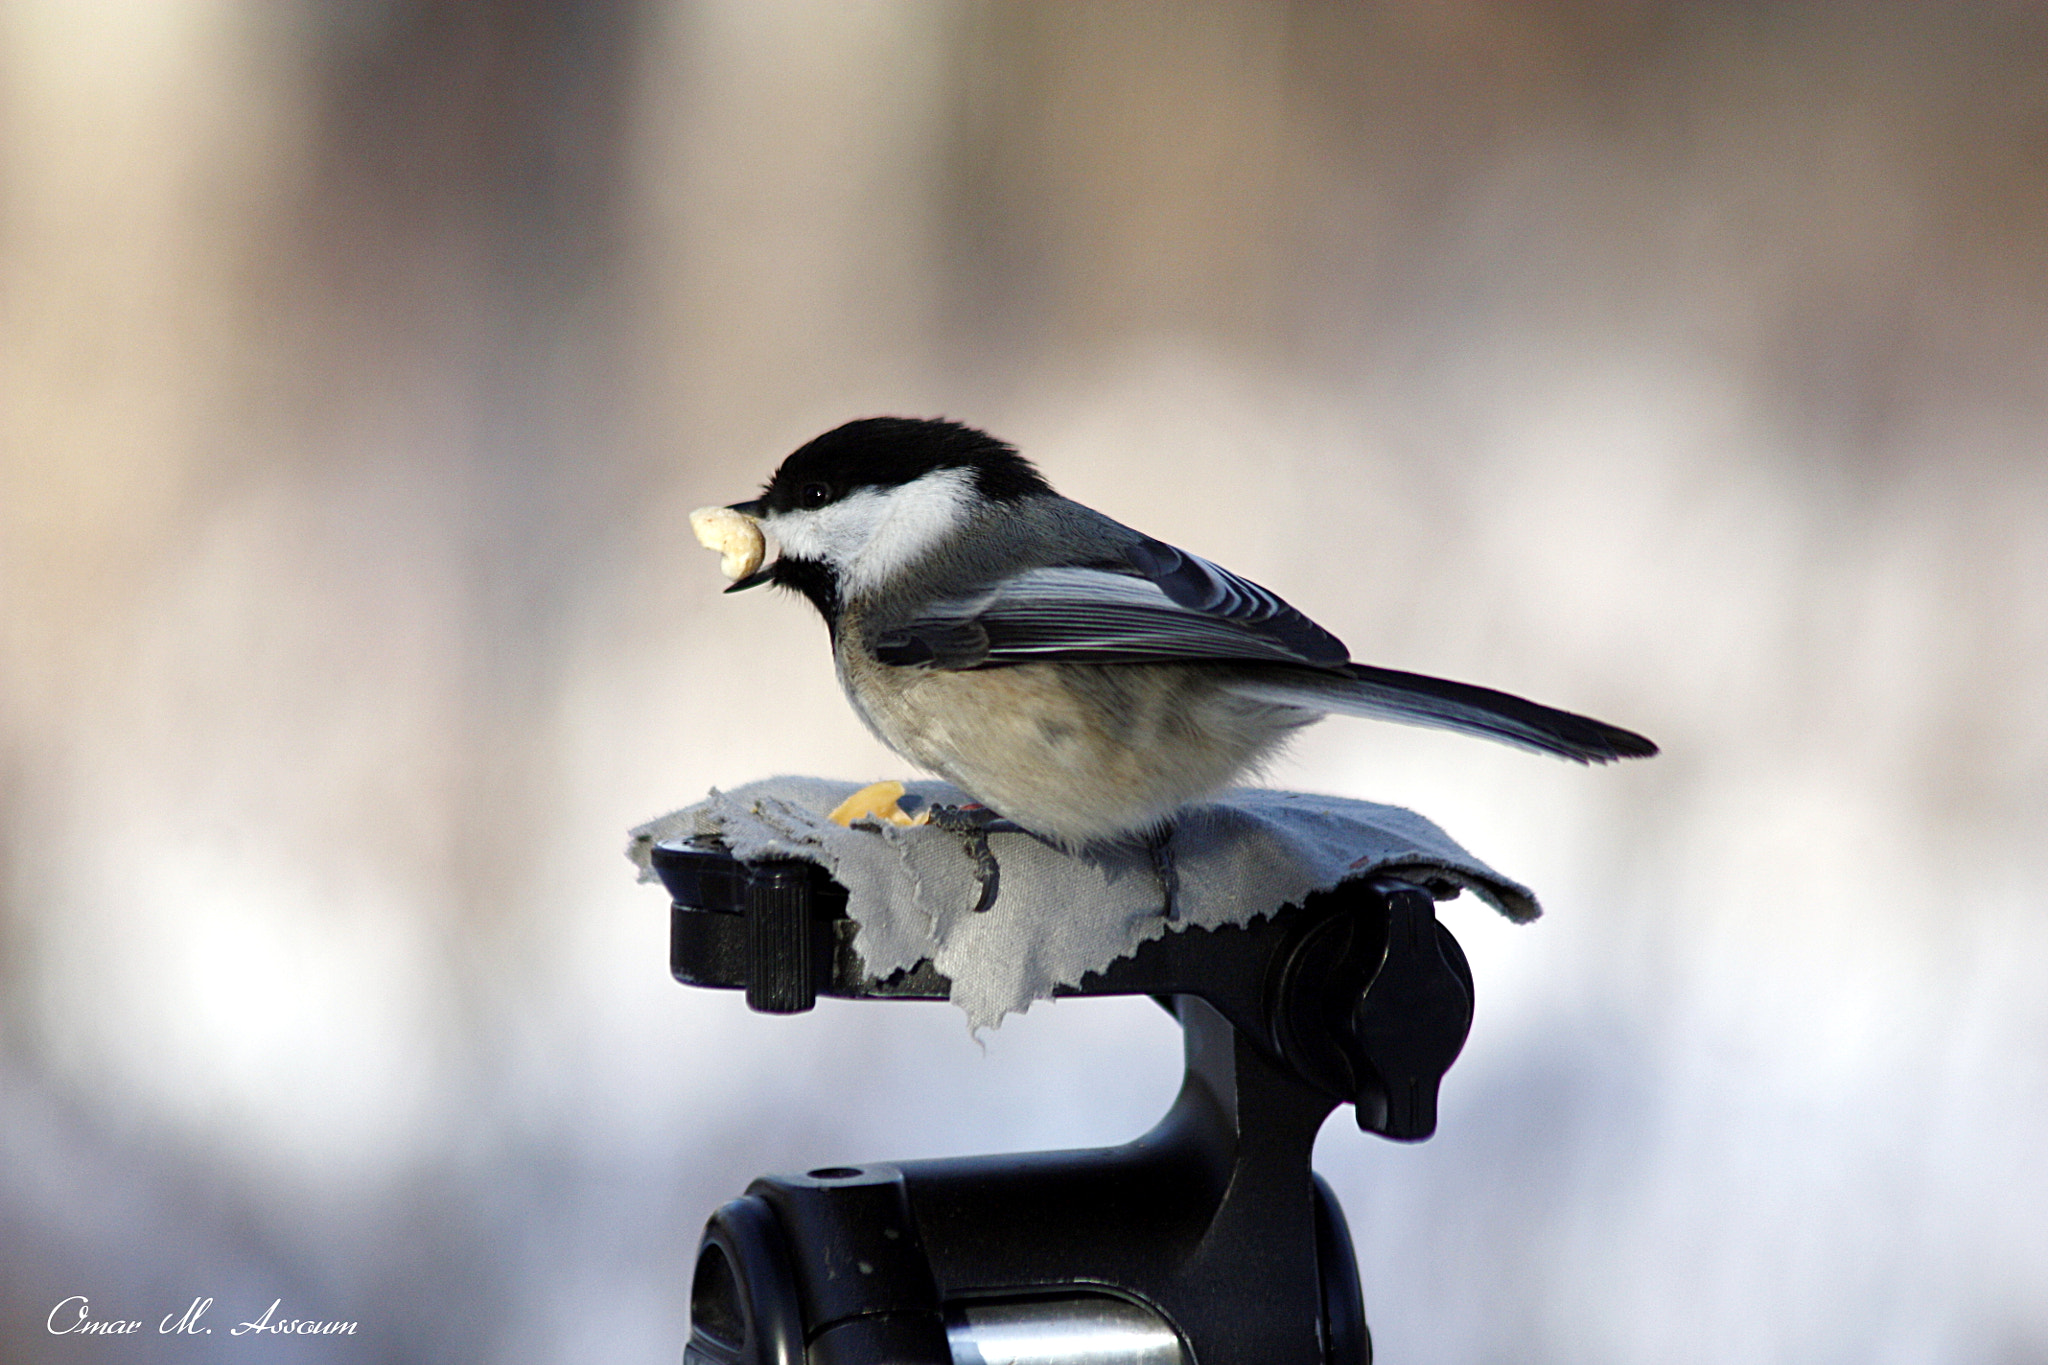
x,y
1072,675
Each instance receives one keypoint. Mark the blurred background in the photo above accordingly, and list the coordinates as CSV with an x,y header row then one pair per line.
x,y
1685,365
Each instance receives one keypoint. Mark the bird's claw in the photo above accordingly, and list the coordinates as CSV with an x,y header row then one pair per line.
x,y
1159,844
973,824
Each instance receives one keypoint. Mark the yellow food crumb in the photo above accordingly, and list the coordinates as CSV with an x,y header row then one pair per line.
x,y
877,801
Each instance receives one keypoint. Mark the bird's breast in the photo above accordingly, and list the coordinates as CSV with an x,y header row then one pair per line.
x,y
1080,754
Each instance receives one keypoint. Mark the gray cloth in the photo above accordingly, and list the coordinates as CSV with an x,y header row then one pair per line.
x,y
1058,916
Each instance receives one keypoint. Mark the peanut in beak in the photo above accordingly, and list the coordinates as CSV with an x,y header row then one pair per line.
x,y
735,535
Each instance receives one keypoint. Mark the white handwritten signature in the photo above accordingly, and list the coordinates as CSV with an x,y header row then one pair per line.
x,y
74,1314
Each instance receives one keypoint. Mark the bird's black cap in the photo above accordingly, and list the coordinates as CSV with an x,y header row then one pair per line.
x,y
888,452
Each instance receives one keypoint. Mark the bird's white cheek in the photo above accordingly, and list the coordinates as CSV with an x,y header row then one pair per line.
x,y
871,536
909,523
832,535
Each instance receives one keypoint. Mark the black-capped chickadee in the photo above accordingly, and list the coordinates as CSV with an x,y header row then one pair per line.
x,y
1075,676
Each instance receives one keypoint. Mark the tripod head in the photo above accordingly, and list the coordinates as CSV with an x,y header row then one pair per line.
x,y
1208,1239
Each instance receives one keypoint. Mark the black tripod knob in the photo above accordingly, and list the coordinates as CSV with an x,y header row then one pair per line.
x,y
1375,1007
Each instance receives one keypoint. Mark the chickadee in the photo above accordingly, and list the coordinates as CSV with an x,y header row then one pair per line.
x,y
1077,677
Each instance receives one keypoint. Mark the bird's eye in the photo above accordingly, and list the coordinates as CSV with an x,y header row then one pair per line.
x,y
814,495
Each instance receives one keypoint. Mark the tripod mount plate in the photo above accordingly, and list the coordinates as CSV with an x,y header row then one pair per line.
x,y
1360,991
1005,919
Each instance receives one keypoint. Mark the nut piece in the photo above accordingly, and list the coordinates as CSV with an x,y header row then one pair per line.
x,y
735,535
877,802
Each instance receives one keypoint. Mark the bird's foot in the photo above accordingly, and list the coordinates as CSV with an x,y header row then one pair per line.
x,y
973,824
1159,845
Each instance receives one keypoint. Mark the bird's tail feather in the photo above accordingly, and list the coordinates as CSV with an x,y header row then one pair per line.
x,y
1386,694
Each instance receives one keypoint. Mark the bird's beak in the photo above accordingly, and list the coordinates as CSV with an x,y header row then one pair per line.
x,y
764,574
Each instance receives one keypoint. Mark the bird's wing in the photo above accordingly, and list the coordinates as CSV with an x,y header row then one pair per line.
x,y
1157,605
